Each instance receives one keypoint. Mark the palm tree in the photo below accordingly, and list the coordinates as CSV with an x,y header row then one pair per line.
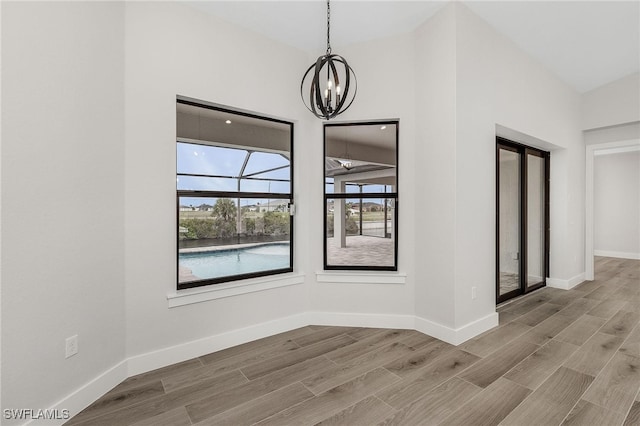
x,y
224,213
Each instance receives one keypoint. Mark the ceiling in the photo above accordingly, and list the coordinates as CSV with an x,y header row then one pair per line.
x,y
379,135
585,43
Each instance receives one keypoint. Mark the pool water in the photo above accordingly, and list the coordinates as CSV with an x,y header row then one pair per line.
x,y
215,264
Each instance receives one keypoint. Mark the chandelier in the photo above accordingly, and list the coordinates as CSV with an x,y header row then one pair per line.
x,y
324,94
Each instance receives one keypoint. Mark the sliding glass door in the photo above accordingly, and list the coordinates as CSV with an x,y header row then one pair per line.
x,y
509,223
536,219
522,217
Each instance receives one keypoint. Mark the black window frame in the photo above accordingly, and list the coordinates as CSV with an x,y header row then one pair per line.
x,y
361,196
234,195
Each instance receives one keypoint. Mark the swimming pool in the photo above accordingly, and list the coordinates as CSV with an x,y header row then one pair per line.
x,y
227,262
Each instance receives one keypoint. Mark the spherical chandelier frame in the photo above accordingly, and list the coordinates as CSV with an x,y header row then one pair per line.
x,y
327,107
337,98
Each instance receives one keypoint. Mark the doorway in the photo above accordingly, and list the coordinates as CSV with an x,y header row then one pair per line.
x,y
522,219
592,150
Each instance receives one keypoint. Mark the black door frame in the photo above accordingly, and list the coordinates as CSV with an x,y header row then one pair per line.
x,y
524,151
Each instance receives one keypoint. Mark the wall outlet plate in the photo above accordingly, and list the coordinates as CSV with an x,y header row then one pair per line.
x,y
71,346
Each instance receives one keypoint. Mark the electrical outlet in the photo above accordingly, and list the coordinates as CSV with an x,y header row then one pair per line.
x,y
473,292
71,346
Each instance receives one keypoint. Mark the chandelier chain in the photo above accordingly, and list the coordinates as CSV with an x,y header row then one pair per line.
x,y
329,85
328,28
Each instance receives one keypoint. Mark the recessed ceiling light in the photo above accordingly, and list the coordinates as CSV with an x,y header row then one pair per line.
x,y
228,121
383,127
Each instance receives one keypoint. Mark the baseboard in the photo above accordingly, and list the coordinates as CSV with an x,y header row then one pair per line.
x,y
150,361
565,284
456,336
87,394
81,398
362,320
618,254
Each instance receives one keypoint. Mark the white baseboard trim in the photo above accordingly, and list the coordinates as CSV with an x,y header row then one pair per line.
x,y
150,361
618,254
81,398
565,284
87,394
362,320
456,336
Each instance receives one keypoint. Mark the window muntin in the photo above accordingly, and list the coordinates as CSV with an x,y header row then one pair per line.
x,y
361,196
234,188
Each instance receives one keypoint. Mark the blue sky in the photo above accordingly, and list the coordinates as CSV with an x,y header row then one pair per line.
x,y
220,161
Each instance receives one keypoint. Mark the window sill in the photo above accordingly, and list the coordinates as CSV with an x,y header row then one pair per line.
x,y
358,277
220,291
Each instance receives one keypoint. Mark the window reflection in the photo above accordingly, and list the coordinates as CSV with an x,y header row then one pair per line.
x,y
360,196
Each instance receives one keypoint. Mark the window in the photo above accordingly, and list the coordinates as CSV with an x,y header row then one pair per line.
x,y
234,192
361,197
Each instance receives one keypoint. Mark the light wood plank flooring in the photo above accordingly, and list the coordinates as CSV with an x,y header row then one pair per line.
x,y
557,358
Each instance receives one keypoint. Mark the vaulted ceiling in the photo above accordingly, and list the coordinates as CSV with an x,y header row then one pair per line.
x,y
586,43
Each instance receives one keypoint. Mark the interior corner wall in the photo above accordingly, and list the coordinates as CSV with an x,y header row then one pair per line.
x,y
616,194
613,104
377,98
172,49
62,192
435,186
497,83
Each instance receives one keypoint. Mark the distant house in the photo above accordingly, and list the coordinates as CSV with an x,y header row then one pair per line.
x,y
187,208
205,208
273,206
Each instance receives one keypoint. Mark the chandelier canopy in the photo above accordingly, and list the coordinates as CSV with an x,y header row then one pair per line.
x,y
329,86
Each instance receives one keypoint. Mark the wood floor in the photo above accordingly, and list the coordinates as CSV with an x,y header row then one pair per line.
x,y
558,357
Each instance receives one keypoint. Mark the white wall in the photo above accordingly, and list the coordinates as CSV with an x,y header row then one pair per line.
x,y
622,132
0,211
496,84
617,204
612,104
62,197
385,91
172,49
435,185
610,117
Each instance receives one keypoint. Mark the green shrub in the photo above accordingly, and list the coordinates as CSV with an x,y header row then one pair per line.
x,y
198,228
276,223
